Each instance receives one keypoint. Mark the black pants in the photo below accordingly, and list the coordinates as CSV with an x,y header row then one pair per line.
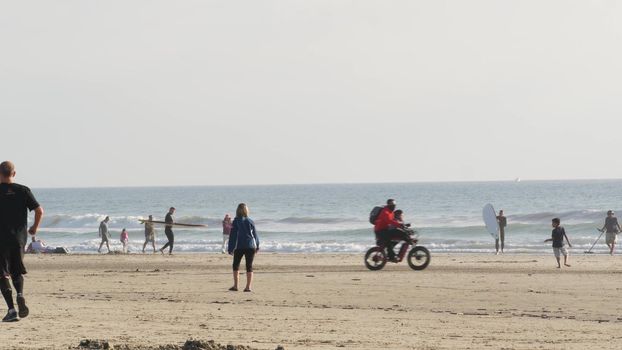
x,y
11,260
171,240
249,255
389,235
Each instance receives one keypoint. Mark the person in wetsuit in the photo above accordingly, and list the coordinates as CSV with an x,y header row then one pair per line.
x,y
168,231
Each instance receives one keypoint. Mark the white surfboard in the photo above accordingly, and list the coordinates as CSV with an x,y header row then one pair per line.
x,y
490,219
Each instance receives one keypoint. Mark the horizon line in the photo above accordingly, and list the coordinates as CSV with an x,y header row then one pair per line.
x,y
334,183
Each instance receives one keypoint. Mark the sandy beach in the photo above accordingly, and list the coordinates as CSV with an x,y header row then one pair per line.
x,y
322,302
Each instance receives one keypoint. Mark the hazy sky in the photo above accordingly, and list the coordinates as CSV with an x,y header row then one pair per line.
x,y
121,93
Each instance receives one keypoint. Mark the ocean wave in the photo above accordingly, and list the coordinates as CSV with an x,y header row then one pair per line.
x,y
459,225
315,220
92,221
575,216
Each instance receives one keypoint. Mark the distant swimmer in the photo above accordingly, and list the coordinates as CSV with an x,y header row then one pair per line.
x,y
15,202
612,228
104,234
503,222
226,230
559,247
168,231
149,234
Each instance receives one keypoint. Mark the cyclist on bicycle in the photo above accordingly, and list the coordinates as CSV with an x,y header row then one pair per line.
x,y
388,229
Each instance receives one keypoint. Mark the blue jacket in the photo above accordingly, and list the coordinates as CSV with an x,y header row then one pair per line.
x,y
243,235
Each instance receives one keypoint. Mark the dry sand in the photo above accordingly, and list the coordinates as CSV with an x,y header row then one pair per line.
x,y
322,302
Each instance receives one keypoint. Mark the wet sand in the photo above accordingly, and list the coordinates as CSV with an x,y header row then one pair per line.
x,y
323,302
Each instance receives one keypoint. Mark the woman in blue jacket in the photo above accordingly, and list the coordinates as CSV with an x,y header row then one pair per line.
x,y
243,242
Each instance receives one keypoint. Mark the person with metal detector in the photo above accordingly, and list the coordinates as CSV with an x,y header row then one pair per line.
x,y
589,251
612,228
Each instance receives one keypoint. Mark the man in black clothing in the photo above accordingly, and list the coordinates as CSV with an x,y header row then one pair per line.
x,y
168,231
503,222
15,201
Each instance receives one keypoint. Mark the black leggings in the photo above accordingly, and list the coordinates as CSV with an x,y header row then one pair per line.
x,y
171,241
248,253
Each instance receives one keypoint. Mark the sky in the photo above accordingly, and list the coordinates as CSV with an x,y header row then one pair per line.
x,y
147,93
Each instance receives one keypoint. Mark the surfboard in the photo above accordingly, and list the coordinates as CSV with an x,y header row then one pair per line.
x,y
490,219
174,224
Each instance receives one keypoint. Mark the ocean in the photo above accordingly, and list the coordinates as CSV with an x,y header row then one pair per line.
x,y
334,218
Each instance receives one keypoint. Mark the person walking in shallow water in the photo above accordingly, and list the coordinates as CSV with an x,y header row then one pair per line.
x,y
149,234
226,230
503,222
243,242
168,231
612,228
104,234
125,239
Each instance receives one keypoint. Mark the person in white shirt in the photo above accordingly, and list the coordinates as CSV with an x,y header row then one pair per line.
x,y
39,246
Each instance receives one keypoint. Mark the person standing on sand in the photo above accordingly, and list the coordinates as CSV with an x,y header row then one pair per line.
x,y
226,230
104,234
243,242
15,202
503,222
557,237
168,231
612,227
149,234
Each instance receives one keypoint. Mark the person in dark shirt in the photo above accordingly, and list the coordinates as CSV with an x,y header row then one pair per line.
x,y
104,233
557,237
503,222
15,202
612,228
168,231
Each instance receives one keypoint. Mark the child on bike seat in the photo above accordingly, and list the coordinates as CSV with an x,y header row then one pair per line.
x,y
398,216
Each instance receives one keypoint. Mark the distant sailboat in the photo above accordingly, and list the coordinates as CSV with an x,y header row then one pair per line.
x,y
517,179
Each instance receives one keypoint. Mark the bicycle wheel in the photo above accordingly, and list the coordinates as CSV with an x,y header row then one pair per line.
x,y
375,258
419,258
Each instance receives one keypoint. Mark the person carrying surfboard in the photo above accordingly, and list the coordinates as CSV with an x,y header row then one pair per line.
x,y
503,222
612,228
168,231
